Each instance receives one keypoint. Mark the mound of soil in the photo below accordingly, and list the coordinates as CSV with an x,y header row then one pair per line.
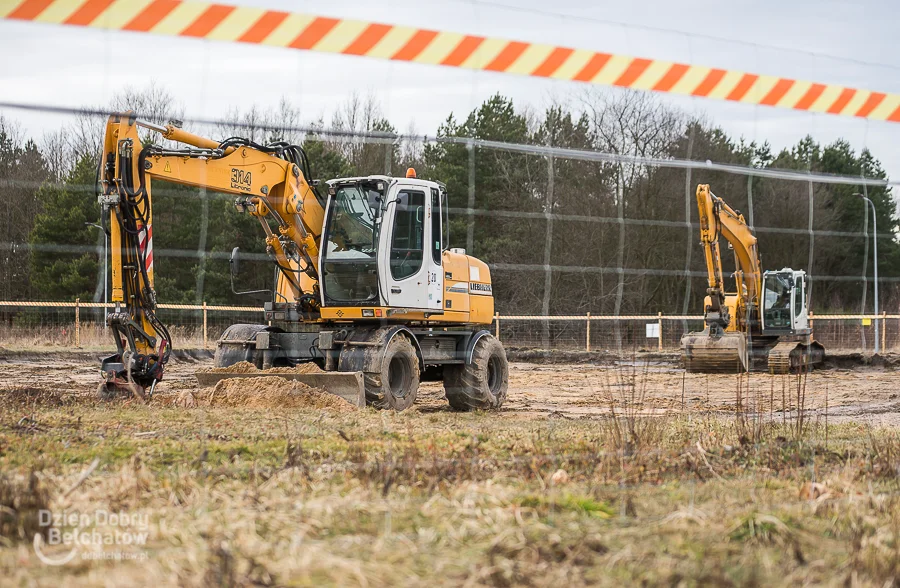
x,y
245,367
887,361
271,392
241,367
303,368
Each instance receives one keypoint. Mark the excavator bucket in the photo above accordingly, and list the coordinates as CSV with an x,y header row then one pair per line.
x,y
348,385
705,353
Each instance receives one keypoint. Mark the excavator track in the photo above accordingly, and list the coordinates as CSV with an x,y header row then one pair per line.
x,y
792,357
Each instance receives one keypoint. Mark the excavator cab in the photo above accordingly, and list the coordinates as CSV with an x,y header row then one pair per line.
x,y
384,243
784,302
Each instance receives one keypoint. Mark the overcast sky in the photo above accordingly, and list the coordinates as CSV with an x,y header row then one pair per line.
x,y
843,42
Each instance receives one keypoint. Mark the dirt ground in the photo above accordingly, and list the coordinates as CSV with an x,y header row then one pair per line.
x,y
847,390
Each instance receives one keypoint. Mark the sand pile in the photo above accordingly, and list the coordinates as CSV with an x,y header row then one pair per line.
x,y
303,368
245,367
241,367
271,392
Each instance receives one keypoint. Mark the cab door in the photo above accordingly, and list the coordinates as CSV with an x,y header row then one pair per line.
x,y
411,276
435,264
800,311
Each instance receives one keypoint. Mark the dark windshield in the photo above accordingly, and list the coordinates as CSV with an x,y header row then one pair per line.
x,y
353,234
349,271
777,301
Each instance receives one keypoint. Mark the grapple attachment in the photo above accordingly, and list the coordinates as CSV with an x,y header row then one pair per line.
x,y
127,374
703,352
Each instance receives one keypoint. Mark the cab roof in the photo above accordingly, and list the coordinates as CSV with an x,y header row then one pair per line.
x,y
384,178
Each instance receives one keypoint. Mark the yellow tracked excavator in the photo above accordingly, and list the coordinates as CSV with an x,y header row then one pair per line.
x,y
366,285
764,324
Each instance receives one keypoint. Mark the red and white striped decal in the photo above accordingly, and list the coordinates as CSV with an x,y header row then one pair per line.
x,y
189,18
145,243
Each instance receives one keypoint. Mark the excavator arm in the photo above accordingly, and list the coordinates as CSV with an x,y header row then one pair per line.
x,y
718,218
722,345
269,183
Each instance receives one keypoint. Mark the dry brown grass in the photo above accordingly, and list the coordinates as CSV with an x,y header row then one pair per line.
x,y
298,496
91,336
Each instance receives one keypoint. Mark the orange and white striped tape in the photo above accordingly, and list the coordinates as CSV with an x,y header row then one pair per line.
x,y
189,18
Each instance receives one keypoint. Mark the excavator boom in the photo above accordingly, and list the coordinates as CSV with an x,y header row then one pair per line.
x,y
722,345
269,182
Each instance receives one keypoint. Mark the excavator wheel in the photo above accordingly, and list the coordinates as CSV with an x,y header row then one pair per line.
x,y
396,385
482,384
238,343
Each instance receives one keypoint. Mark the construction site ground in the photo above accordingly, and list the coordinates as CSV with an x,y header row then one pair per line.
x,y
596,470
852,387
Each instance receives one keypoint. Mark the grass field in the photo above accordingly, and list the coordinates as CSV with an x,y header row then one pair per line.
x,y
239,496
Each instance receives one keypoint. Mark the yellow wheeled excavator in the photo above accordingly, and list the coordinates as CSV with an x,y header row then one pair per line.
x,y
764,324
366,285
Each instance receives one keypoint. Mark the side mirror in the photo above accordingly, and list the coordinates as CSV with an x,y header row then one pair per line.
x,y
235,261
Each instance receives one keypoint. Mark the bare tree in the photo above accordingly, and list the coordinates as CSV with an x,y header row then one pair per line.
x,y
152,103
58,152
358,116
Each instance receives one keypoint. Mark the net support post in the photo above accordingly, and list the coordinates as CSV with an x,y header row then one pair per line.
x,y
78,322
659,339
587,339
205,344
497,325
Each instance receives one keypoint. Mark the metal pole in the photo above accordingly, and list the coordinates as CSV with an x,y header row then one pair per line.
x,y
105,269
659,346
587,340
77,322
875,254
105,278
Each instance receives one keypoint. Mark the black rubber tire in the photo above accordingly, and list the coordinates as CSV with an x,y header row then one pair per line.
x,y
482,384
228,355
395,387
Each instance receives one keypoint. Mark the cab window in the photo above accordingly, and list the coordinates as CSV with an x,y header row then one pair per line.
x,y
435,226
777,301
445,215
408,237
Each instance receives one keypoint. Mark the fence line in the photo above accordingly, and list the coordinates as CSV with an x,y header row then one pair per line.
x,y
657,329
